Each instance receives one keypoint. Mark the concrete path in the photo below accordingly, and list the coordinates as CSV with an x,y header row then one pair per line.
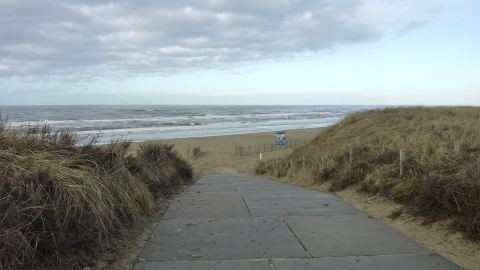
x,y
249,223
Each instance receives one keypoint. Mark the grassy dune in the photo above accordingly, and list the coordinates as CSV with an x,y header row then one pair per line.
x,y
425,158
62,204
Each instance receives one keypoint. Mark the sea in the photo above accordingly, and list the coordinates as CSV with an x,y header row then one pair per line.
x,y
141,123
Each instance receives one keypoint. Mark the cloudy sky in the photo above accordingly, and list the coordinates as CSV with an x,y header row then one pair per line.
x,y
240,52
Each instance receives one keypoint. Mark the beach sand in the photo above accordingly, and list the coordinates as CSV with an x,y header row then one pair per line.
x,y
217,153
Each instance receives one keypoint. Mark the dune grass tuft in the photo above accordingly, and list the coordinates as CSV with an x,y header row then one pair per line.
x,y
62,203
425,158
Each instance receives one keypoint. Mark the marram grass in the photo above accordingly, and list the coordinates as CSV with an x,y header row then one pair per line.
x,y
425,158
61,204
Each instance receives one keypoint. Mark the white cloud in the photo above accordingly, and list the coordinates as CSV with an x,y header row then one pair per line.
x,y
3,67
90,38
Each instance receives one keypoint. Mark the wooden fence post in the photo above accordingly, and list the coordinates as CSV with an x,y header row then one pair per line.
x,y
402,158
478,165
351,156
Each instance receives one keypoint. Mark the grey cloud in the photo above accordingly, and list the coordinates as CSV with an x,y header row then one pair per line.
x,y
412,25
101,38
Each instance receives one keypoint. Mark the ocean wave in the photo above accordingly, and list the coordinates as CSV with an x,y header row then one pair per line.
x,y
150,122
197,118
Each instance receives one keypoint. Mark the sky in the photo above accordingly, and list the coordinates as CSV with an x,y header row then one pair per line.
x,y
209,52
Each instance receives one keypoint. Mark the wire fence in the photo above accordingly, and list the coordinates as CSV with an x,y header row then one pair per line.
x,y
193,153
249,150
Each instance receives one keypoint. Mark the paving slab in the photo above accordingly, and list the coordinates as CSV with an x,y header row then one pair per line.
x,y
211,188
225,191
297,205
213,179
240,223
265,183
207,206
222,239
212,184
350,235
383,262
206,265
269,190
278,192
248,182
225,187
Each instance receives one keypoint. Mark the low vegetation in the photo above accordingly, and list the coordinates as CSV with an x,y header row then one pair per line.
x,y
425,158
62,203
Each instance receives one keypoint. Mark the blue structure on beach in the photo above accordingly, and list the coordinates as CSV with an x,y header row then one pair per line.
x,y
281,139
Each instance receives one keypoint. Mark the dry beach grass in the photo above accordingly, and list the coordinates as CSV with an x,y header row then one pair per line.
x,y
218,158
425,158
62,204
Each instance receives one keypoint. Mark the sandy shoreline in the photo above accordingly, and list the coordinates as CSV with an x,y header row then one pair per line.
x,y
218,152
